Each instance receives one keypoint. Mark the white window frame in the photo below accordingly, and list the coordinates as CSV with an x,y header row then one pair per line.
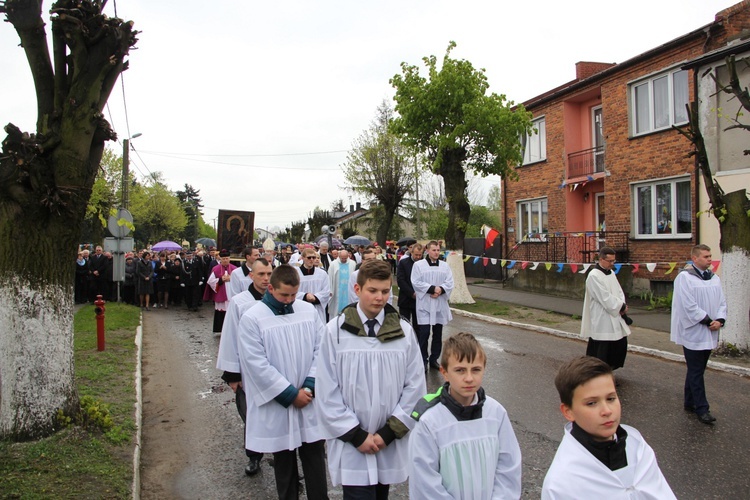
x,y
536,142
538,233
649,87
655,222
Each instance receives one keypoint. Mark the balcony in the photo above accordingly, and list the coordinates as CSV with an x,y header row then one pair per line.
x,y
586,162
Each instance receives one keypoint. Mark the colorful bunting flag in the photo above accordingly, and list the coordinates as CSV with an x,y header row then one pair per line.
x,y
715,265
651,266
671,267
574,268
636,267
493,261
536,264
585,268
560,267
511,264
548,265
524,264
502,262
485,260
617,268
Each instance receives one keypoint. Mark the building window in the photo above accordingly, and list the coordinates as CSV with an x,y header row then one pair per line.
x,y
659,102
663,209
536,143
532,219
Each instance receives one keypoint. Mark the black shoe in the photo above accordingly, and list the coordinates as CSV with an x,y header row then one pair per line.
x,y
706,418
252,467
434,365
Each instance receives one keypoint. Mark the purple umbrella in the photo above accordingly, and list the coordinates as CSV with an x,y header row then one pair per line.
x,y
166,245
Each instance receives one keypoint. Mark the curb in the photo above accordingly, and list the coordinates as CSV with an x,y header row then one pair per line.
x,y
136,492
670,356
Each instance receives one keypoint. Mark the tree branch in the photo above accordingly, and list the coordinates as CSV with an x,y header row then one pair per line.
x,y
26,18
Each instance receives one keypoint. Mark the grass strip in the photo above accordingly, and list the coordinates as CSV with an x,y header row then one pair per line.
x,y
93,460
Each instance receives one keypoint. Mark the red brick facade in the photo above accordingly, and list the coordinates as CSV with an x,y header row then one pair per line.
x,y
628,158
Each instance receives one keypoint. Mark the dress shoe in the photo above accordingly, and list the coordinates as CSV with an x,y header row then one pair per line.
x,y
706,418
434,365
252,467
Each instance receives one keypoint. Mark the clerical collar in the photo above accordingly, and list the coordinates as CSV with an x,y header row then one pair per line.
x,y
246,269
255,293
431,263
605,271
306,271
610,453
461,412
275,306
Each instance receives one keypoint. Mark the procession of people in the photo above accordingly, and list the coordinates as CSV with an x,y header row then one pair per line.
x,y
325,370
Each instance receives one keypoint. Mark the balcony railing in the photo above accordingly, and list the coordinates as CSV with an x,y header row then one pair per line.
x,y
586,162
578,247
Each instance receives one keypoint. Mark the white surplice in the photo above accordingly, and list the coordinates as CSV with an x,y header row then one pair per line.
x,y
228,358
693,300
239,282
317,284
432,311
468,459
601,319
362,381
575,473
275,352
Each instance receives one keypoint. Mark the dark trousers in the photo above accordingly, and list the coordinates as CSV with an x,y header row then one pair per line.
x,y
437,342
411,316
240,400
192,300
373,492
312,456
695,387
81,288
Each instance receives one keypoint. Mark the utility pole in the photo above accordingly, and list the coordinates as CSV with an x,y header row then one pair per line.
x,y
416,193
126,170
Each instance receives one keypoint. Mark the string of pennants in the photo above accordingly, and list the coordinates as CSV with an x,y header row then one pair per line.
x,y
575,267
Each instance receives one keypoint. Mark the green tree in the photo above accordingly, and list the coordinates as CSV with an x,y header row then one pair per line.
x,y
317,220
157,212
494,198
450,117
46,178
378,167
105,197
190,200
437,221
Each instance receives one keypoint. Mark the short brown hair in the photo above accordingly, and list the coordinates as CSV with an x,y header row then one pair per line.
x,y
697,249
462,346
433,242
373,269
577,372
606,251
308,251
284,275
416,247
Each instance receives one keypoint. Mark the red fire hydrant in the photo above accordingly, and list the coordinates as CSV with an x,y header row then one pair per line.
x,y
99,310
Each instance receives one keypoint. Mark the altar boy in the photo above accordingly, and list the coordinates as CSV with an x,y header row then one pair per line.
x,y
369,377
598,457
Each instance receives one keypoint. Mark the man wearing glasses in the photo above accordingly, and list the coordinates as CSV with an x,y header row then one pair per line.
x,y
314,286
604,319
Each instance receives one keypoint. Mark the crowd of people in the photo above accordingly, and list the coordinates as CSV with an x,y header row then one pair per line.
x,y
325,369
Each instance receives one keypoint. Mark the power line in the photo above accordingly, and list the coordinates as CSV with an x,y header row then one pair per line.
x,y
311,153
240,164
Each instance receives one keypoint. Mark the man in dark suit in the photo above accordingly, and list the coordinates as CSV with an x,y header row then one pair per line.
x,y
98,274
407,302
325,257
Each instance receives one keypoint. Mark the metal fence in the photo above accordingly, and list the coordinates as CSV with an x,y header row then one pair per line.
x,y
570,246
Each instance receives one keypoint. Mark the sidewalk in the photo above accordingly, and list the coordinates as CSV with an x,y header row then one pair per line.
x,y
649,332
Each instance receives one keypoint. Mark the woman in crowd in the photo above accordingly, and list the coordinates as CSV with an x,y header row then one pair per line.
x,y
145,281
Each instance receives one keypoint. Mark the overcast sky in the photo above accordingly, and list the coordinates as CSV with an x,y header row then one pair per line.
x,y
256,103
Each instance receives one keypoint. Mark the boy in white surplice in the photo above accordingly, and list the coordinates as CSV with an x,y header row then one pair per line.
x,y
369,377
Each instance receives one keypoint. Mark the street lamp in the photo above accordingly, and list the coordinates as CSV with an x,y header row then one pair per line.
x,y
125,168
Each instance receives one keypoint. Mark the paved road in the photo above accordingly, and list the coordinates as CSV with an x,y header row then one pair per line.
x,y
197,453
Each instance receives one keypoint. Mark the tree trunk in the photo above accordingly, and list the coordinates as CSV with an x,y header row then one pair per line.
x,y
37,253
385,225
454,180
735,248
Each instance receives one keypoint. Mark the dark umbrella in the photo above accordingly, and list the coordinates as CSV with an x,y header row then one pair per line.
x,y
356,240
406,241
335,242
206,242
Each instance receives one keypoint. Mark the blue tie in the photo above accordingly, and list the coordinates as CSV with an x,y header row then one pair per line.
x,y
371,326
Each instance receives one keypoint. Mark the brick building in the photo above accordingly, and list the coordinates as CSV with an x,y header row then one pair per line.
x,y
605,165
